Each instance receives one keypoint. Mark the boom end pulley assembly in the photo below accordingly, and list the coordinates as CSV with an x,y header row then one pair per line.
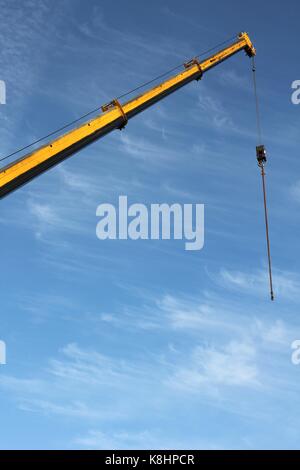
x,y
249,49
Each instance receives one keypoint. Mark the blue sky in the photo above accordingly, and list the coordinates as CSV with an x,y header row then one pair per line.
x,y
141,344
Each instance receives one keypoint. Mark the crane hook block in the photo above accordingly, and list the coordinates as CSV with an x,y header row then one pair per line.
x,y
261,154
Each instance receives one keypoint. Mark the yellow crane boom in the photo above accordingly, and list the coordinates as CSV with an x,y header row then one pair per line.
x,y
115,116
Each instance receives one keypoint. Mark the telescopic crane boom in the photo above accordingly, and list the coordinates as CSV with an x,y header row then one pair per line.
x,y
115,116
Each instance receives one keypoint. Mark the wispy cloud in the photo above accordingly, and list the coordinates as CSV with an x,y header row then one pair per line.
x,y
116,440
84,374
295,191
210,369
20,33
148,152
42,306
209,313
135,360
210,352
152,438
286,284
159,46
232,78
213,111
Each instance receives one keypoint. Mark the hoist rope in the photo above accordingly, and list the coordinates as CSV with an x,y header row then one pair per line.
x,y
262,168
267,230
258,123
118,98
